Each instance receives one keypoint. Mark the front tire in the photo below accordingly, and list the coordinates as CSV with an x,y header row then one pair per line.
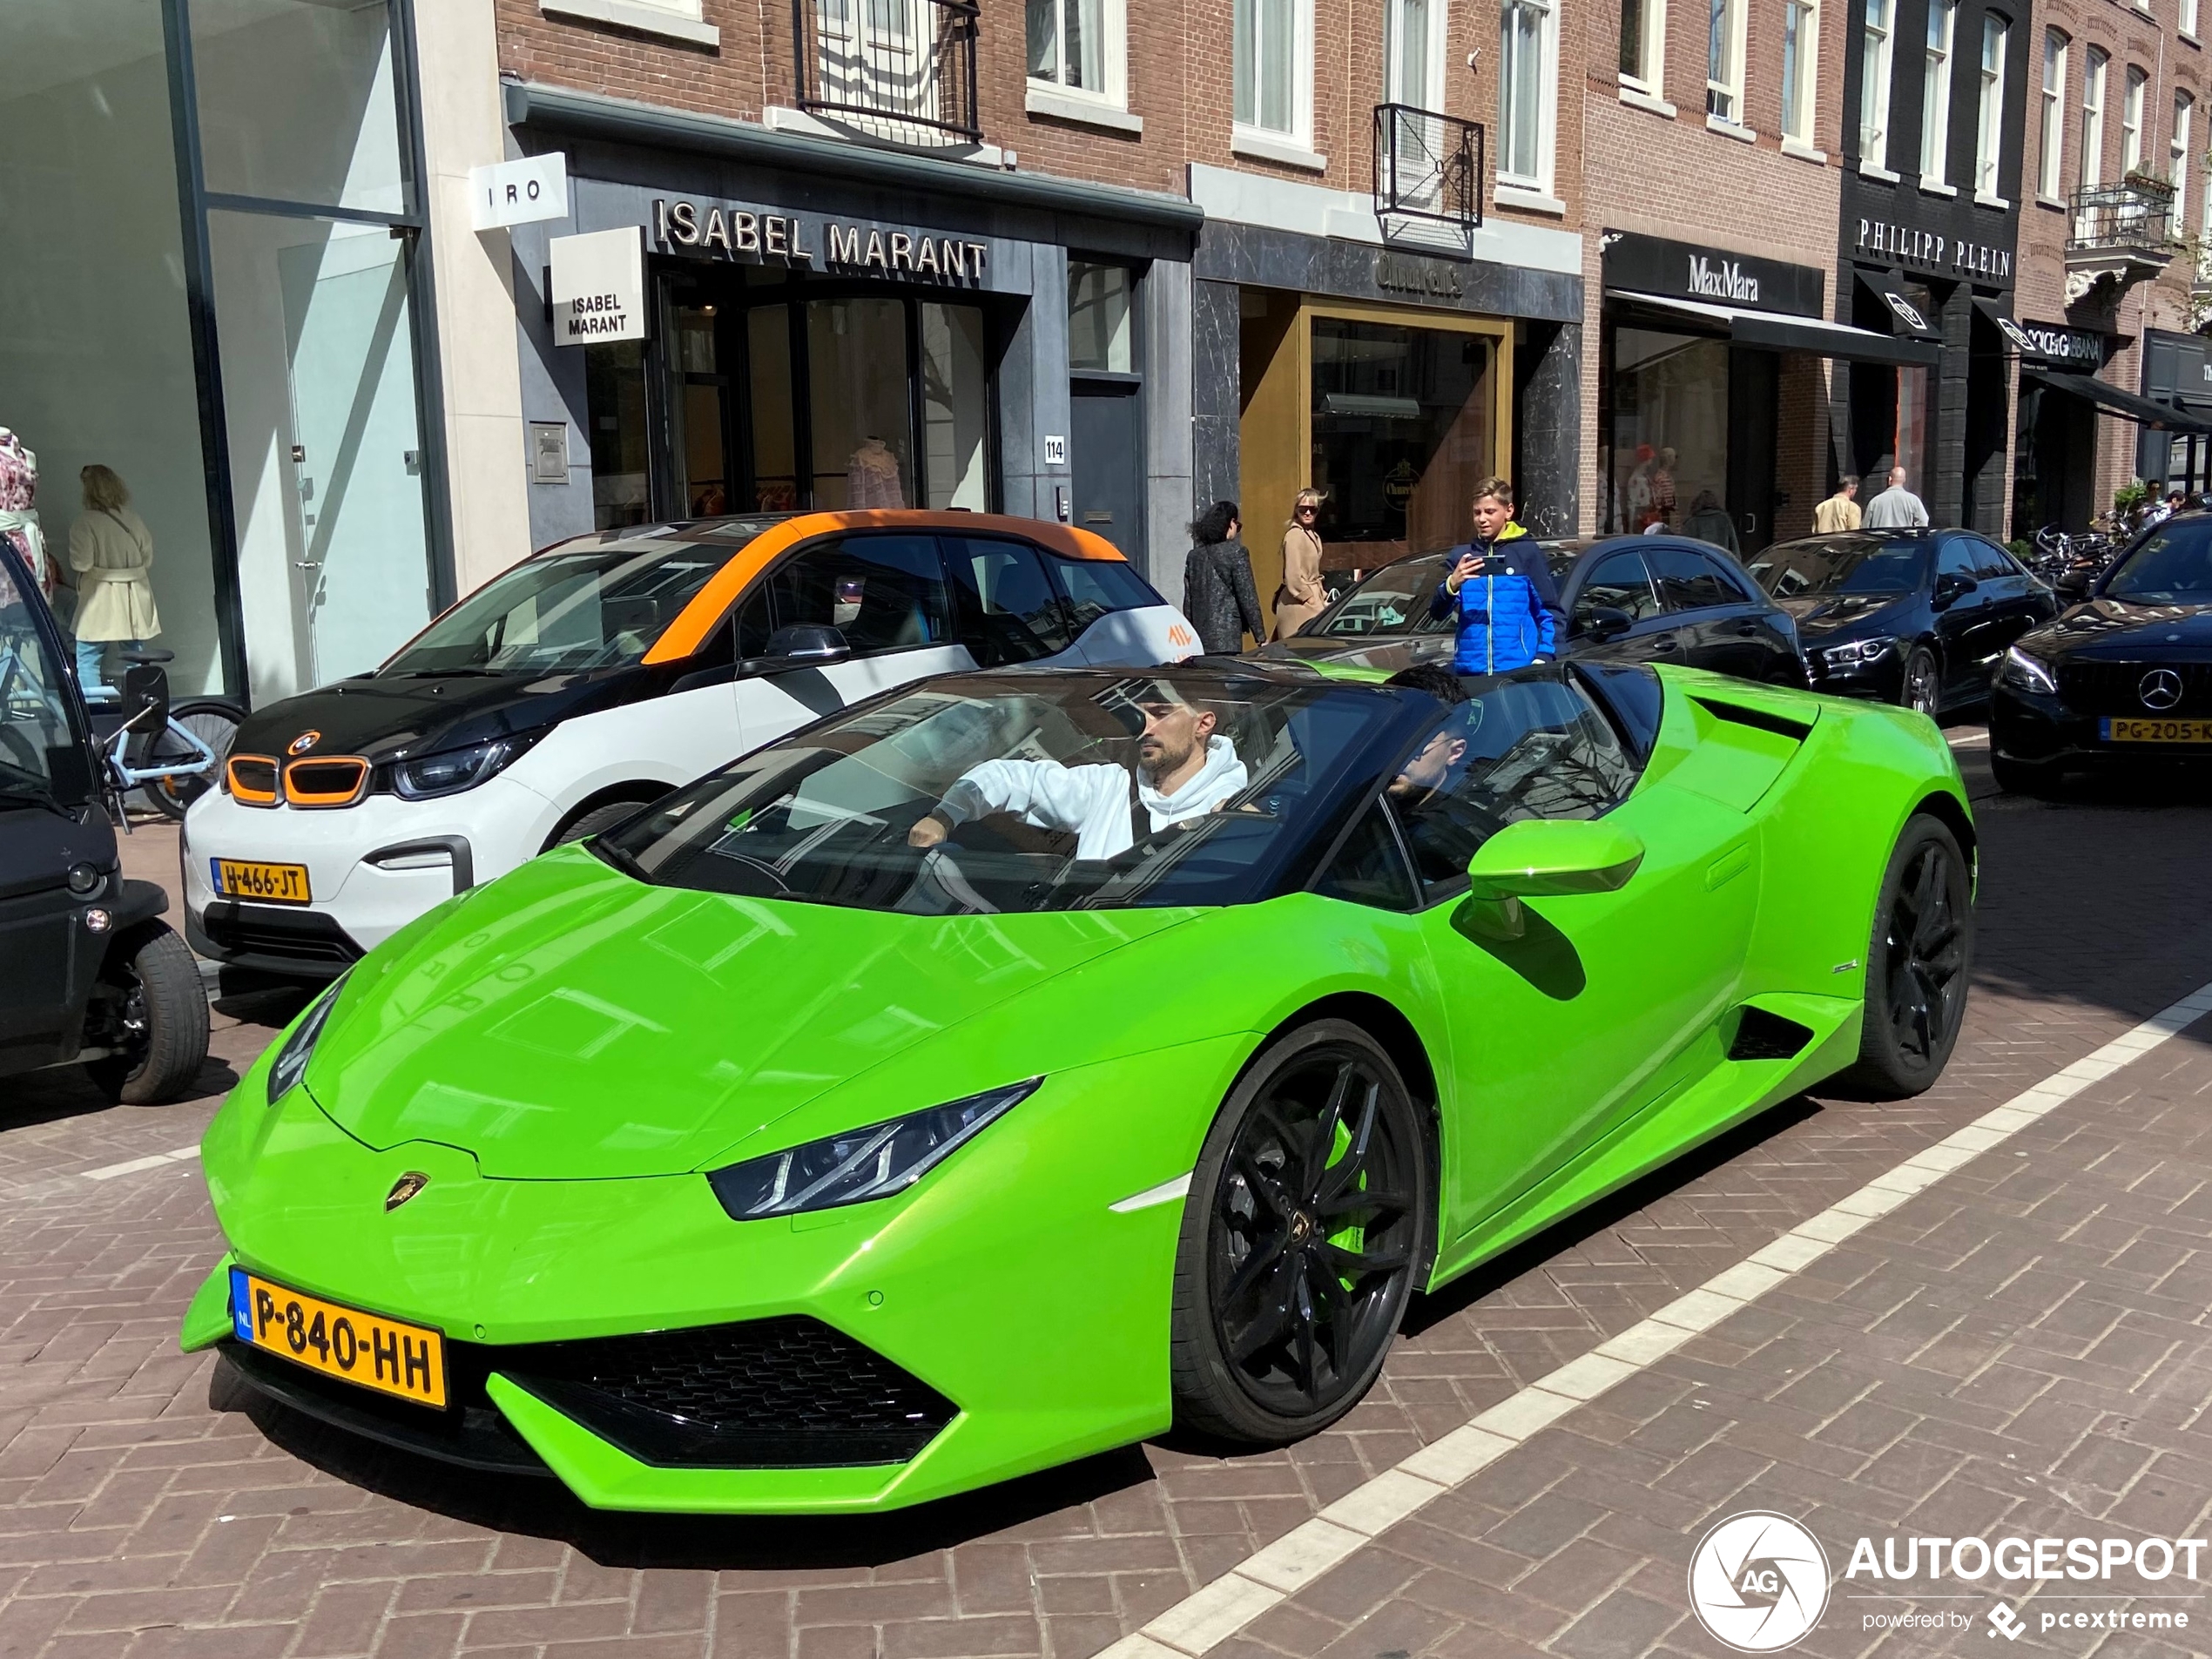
x,y
1307,1220
1917,962
589,824
151,1013
1922,689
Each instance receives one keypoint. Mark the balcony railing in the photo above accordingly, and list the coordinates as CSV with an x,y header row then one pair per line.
x,y
899,70
1427,166
2135,216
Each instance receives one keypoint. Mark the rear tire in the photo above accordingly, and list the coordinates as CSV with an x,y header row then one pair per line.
x,y
1918,963
1307,1222
158,1015
214,721
598,818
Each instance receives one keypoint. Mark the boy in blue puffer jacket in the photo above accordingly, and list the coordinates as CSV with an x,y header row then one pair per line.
x,y
1502,590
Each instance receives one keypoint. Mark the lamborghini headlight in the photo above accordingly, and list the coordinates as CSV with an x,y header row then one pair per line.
x,y
300,1048
861,1163
2025,673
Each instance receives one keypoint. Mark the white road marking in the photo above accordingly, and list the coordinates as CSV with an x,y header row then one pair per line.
x,y
1166,1192
1971,740
132,1166
1209,1615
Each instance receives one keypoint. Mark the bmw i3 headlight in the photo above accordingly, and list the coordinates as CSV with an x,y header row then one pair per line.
x,y
2025,673
861,1163
457,769
300,1048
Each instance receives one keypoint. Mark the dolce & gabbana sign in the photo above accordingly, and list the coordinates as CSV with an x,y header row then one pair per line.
x,y
1925,250
2056,343
1684,270
755,236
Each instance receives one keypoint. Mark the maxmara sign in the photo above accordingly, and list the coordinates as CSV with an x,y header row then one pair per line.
x,y
1723,278
757,237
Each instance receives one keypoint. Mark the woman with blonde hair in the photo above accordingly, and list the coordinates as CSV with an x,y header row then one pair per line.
x,y
1301,598
111,551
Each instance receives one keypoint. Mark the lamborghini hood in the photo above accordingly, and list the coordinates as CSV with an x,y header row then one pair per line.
x,y
568,1023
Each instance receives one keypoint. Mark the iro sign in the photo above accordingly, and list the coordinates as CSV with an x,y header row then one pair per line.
x,y
519,192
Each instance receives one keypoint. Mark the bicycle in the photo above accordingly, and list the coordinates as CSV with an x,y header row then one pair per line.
x,y
171,752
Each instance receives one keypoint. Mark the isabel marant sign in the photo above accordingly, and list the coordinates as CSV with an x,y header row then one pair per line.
x,y
757,237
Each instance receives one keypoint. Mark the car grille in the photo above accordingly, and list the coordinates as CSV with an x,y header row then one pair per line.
x,y
2116,688
765,1394
303,936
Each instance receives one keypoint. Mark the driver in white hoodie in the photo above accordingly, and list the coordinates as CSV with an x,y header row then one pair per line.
x,y
1183,770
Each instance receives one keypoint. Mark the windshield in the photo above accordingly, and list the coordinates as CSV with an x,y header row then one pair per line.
x,y
34,731
1394,600
1839,565
1048,792
2171,566
598,607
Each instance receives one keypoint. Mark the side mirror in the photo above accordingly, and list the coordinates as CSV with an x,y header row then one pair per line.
x,y
1604,622
1546,857
1949,589
804,644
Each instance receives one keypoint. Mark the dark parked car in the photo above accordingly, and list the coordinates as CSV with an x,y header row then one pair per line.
x,y
1915,617
88,972
1628,598
2125,677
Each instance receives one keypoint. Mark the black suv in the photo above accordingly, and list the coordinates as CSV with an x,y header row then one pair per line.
x,y
88,974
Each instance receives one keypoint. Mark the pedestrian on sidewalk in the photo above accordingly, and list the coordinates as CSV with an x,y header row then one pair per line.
x,y
1896,507
1499,590
1301,598
1839,512
1709,522
112,551
1217,592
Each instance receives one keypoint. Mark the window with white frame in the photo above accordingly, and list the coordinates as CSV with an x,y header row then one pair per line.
x,y
1272,53
2177,160
2187,18
1080,47
1644,43
1874,84
1725,60
2204,248
2050,133
1935,92
1525,93
1413,53
2094,65
2131,122
1800,68
1989,113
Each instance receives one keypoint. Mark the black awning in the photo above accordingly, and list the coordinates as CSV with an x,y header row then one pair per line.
x,y
2161,417
1999,314
1911,319
1772,330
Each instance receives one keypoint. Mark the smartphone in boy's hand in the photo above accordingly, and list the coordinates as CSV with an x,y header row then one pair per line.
x,y
1470,565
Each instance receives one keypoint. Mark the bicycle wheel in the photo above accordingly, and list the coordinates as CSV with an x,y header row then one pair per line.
x,y
214,721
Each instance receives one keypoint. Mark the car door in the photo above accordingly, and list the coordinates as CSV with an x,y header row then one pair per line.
x,y
1563,1036
884,592
1005,609
1620,581
2017,601
1963,615
1733,628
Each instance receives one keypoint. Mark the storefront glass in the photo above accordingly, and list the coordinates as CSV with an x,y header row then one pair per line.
x,y
1671,427
856,353
614,381
96,358
1404,424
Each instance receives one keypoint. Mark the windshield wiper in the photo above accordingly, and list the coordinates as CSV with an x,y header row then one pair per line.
x,y
452,673
620,857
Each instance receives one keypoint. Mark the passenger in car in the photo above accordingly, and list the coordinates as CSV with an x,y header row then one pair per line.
x,y
1184,768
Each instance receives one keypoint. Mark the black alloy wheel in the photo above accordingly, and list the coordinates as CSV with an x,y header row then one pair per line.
x,y
1921,691
1307,1222
1918,963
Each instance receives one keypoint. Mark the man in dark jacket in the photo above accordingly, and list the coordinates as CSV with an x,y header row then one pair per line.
x,y
1218,593
1501,590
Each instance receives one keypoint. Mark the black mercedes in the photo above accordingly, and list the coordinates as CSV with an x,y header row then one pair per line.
x,y
2124,678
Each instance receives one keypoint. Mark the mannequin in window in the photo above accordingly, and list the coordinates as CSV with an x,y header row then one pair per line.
x,y
872,476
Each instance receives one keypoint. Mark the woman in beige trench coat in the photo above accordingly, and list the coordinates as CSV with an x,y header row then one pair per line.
x,y
111,551
1301,598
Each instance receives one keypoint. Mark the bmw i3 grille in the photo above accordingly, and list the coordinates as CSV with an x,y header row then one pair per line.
x,y
765,1394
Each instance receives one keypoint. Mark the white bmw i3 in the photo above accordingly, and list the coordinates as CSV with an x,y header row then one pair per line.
x,y
602,672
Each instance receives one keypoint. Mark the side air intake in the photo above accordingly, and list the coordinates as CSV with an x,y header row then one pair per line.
x,y
1761,1036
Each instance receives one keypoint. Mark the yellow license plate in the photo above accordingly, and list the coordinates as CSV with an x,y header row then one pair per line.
x,y
406,1361
2135,731
265,883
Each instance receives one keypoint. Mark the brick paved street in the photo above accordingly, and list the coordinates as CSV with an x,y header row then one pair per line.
x,y
2021,1347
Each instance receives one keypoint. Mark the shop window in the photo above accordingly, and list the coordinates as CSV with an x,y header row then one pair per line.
x,y
1272,66
1079,45
1725,60
1403,427
613,398
1935,91
1800,68
882,592
955,407
1525,93
1009,611
2131,122
2050,130
2094,65
1670,425
775,452
1874,84
857,370
1098,318
1644,43
1989,123
1619,582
